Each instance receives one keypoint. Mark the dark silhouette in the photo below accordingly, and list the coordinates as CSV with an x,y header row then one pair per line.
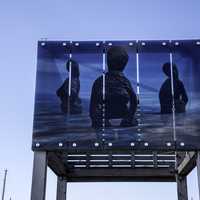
x,y
120,99
71,104
165,94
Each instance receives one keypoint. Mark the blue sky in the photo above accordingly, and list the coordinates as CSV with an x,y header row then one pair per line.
x,y
22,23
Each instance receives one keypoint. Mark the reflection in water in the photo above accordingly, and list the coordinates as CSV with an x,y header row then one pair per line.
x,y
165,94
120,99
71,103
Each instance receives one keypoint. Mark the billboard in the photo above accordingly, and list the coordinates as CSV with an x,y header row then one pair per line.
x,y
117,95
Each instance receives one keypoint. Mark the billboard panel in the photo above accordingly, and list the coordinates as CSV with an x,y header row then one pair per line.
x,y
120,96
117,95
156,128
186,59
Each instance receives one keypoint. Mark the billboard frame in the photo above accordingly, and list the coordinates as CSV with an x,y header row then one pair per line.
x,y
70,47
58,159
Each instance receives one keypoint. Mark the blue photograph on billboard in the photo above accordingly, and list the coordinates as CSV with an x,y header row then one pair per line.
x,y
155,85
186,59
117,95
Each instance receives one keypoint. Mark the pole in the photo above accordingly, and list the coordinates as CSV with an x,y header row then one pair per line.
x,y
182,188
198,170
39,178
61,189
4,184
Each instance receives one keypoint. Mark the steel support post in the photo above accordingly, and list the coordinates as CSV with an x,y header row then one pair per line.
x,y
198,170
61,189
182,188
39,176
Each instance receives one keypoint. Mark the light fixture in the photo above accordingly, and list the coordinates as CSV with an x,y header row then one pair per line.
x,y
146,144
132,144
64,44
182,144
74,144
176,43
96,144
37,144
76,44
130,43
110,144
169,144
198,43
60,144
143,44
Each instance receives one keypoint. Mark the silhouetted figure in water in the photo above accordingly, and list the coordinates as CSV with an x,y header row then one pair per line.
x,y
120,100
165,94
71,104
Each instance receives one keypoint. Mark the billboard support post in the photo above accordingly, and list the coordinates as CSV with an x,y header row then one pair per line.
x,y
182,188
61,189
198,170
39,176
181,179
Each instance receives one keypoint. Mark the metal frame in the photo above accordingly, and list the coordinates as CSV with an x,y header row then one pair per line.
x,y
198,171
185,162
142,46
61,189
121,175
182,191
38,191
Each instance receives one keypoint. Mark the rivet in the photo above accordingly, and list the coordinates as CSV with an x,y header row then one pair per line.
x,y
110,144
146,144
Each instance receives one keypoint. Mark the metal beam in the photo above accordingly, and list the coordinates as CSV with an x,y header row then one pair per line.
x,y
182,188
61,189
38,190
56,164
121,175
187,164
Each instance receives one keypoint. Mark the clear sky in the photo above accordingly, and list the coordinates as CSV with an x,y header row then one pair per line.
x,y
22,23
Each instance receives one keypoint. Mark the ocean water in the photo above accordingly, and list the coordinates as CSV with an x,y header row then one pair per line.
x,y
52,126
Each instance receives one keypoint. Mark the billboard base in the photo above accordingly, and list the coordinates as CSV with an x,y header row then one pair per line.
x,y
185,161
61,189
